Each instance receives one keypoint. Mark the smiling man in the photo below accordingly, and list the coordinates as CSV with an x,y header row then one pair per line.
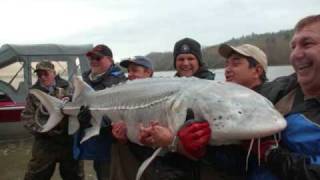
x,y
172,165
139,67
297,97
188,60
305,57
298,156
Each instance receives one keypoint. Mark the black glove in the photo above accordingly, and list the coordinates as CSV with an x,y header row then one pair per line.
x,y
84,117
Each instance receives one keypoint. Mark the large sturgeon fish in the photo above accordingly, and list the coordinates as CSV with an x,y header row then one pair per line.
x,y
234,112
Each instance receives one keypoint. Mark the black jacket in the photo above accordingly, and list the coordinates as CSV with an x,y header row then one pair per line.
x,y
111,77
203,73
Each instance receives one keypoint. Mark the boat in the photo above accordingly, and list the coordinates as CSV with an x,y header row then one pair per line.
x,y
17,63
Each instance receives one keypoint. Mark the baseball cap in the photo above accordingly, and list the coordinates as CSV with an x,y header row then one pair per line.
x,y
247,50
138,60
100,51
44,65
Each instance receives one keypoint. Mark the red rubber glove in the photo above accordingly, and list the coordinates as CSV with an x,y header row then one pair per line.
x,y
194,138
265,145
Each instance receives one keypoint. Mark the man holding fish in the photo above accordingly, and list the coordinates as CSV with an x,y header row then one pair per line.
x,y
54,146
103,74
297,98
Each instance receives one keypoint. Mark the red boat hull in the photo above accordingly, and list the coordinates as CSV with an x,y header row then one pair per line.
x,y
10,111
11,126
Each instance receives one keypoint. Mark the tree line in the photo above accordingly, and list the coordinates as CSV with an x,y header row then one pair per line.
x,y
275,45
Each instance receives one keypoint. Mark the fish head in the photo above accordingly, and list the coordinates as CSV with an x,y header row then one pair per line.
x,y
236,113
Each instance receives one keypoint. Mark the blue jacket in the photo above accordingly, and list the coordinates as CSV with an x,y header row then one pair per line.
x,y
98,147
299,154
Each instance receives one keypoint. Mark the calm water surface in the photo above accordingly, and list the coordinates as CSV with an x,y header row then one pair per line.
x,y
273,72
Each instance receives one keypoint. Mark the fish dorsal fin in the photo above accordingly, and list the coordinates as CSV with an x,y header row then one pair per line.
x,y
81,89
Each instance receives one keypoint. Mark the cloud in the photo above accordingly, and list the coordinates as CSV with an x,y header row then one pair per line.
x,y
139,27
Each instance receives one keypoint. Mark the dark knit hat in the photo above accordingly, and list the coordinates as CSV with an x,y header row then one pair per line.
x,y
187,46
100,51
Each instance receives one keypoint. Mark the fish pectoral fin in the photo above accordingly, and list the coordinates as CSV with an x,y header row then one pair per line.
x,y
96,118
190,118
190,114
90,132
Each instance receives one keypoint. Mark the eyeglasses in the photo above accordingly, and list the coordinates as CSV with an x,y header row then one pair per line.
x,y
42,73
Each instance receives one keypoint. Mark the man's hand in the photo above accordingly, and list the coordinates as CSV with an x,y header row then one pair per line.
x,y
162,136
65,98
84,117
194,138
119,131
145,136
155,135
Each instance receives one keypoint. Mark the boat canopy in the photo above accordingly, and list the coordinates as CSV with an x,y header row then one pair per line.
x,y
74,56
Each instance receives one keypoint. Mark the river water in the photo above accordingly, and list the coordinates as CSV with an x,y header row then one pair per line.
x,y
272,73
15,153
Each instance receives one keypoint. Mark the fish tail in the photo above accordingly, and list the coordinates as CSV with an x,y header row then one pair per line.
x,y
53,106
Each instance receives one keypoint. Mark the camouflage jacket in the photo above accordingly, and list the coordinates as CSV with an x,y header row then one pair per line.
x,y
34,115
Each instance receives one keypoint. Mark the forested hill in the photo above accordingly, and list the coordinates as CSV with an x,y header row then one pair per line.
x,y
275,45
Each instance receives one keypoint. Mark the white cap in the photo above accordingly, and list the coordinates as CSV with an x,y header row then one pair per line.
x,y
247,50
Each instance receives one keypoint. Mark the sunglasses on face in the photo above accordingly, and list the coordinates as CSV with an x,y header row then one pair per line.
x,y
42,73
95,58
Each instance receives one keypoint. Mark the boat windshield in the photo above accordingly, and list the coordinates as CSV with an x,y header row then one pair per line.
x,y
12,74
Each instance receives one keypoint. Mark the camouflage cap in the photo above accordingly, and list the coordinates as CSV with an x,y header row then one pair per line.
x,y
44,65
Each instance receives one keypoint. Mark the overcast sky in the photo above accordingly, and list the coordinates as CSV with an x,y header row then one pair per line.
x,y
137,27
